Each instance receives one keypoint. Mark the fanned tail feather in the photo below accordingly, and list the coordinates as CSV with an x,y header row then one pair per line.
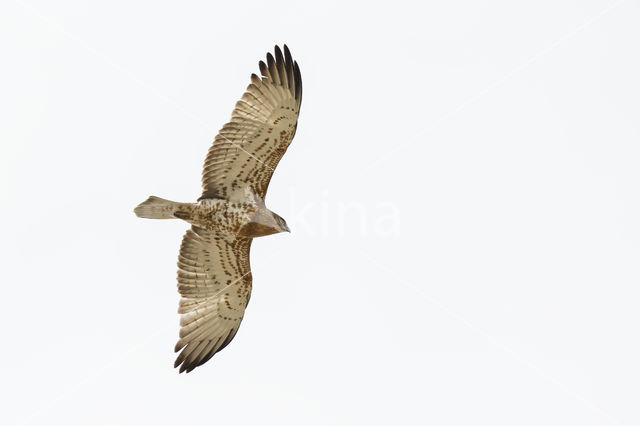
x,y
157,208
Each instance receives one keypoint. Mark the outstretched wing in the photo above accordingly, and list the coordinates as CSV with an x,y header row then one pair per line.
x,y
247,150
214,280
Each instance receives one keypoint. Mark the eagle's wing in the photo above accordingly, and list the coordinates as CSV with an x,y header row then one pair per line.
x,y
214,280
247,150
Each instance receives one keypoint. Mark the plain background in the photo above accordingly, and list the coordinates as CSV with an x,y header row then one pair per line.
x,y
462,190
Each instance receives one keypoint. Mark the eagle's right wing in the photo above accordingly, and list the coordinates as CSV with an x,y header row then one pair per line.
x,y
214,280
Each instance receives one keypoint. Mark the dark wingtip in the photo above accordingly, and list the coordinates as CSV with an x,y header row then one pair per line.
x,y
270,59
263,69
282,70
279,58
287,55
298,80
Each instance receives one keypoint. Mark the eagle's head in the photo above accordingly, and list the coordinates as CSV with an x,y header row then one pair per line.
x,y
264,222
281,223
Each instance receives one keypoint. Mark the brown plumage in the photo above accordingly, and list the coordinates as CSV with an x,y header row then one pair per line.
x,y
214,276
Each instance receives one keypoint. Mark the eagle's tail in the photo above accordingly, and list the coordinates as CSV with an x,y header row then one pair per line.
x,y
158,208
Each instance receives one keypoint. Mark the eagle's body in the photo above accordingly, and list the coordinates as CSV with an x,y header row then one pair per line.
x,y
214,276
249,219
220,216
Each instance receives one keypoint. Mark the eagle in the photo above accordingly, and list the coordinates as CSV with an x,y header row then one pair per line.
x,y
214,275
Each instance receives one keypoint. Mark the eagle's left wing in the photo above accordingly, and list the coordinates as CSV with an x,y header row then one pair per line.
x,y
214,280
247,150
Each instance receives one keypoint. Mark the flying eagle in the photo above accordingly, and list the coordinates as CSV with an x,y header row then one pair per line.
x,y
214,276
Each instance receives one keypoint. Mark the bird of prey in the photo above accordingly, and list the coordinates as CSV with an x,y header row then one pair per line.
x,y
214,277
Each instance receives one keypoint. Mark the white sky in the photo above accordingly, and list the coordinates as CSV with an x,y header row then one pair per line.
x,y
462,191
